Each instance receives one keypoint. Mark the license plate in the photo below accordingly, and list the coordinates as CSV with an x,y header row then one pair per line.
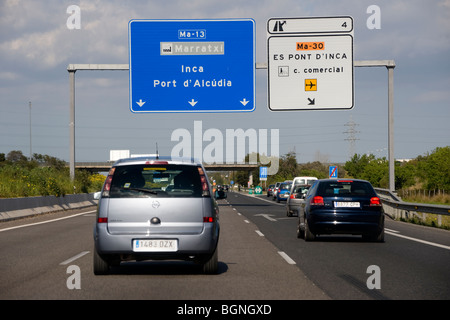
x,y
155,245
339,204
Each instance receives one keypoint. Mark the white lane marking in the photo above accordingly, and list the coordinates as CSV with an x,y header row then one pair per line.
x,y
48,221
267,216
418,240
260,233
286,257
395,231
262,199
246,221
74,258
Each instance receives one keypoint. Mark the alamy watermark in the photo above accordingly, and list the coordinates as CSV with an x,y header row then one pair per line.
x,y
237,143
74,20
374,280
374,20
74,280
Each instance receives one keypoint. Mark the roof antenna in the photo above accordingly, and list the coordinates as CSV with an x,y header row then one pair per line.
x,y
157,153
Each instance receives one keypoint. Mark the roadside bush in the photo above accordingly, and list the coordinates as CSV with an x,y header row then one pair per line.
x,y
42,176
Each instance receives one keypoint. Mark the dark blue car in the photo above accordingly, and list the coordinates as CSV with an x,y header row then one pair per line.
x,y
335,206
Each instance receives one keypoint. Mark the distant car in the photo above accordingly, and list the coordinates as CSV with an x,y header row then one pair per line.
x,y
341,207
220,193
270,190
275,190
283,191
155,208
304,180
296,198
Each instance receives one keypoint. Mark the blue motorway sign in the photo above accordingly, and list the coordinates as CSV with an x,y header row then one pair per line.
x,y
192,65
262,173
333,172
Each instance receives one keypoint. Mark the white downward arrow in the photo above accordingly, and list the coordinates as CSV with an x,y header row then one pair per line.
x,y
244,102
192,102
140,102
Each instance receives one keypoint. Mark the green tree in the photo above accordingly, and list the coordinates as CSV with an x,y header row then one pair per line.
x,y
49,161
287,169
357,165
16,156
369,168
436,169
314,169
405,174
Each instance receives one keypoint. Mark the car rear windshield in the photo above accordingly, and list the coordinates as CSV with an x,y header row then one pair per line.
x,y
301,189
156,180
345,188
285,186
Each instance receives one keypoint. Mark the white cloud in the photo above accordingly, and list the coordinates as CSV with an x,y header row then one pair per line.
x,y
36,46
40,49
9,76
432,96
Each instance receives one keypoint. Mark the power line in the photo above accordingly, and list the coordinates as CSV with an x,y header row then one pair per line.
x,y
351,136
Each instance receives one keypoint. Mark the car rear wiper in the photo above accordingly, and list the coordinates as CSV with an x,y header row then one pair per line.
x,y
141,190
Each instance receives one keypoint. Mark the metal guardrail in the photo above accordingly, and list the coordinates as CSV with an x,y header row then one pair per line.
x,y
16,208
396,208
387,194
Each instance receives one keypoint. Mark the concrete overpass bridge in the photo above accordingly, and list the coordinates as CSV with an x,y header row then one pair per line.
x,y
105,166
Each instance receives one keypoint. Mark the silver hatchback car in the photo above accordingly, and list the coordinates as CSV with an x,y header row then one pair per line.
x,y
156,208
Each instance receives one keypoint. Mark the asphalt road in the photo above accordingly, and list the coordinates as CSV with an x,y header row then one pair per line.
x,y
41,257
260,258
413,262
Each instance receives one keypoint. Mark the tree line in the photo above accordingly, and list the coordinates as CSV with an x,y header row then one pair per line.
x,y
429,172
43,175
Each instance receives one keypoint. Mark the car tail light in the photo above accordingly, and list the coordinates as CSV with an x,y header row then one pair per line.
x,y
107,185
157,162
203,179
102,220
375,202
208,219
317,201
292,196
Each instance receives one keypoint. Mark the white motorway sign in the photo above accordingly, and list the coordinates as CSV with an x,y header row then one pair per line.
x,y
310,63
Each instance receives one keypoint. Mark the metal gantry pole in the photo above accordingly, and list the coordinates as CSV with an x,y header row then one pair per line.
x,y
72,124
391,127
31,145
72,68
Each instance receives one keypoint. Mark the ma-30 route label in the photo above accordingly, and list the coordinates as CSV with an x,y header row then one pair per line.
x,y
310,71
192,65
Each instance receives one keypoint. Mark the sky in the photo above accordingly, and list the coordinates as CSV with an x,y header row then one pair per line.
x,y
36,46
